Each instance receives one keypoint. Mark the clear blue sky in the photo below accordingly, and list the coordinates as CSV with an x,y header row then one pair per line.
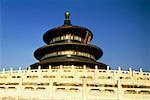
x,y
120,27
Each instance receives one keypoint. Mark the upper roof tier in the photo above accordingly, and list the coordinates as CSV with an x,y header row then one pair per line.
x,y
67,28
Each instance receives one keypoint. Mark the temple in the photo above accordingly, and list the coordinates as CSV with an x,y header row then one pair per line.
x,y
67,69
68,45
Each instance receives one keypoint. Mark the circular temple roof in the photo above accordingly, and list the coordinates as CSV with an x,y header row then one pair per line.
x,y
62,30
87,48
70,61
66,28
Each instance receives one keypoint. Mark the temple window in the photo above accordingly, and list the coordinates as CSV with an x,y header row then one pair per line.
x,y
69,52
66,37
71,37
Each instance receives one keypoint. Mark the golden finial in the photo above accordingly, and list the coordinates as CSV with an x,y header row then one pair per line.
x,y
67,18
67,15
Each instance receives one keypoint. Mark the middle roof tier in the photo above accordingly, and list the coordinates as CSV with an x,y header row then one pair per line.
x,y
94,51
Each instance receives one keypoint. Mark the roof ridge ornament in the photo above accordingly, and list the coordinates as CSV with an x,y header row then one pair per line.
x,y
67,15
67,21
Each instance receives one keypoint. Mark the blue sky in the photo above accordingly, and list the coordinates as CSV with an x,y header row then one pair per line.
x,y
120,27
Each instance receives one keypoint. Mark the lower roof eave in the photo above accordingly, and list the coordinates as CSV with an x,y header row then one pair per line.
x,y
90,64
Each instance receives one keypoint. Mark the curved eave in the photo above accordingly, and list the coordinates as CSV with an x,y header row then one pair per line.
x,y
70,61
88,48
62,30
